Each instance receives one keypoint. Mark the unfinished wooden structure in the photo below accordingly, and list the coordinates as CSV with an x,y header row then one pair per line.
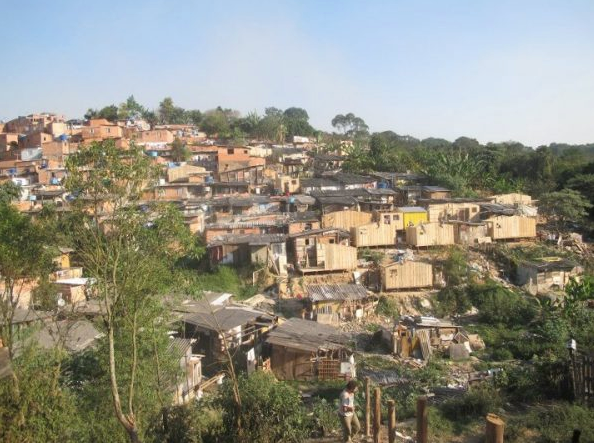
x,y
513,199
322,250
382,232
469,233
453,210
430,234
407,274
307,350
511,227
332,303
346,219
546,275
218,328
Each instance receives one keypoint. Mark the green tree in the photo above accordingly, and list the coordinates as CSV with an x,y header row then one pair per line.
x,y
169,114
23,260
273,411
215,122
563,207
194,116
109,113
179,151
296,121
351,125
129,252
40,410
131,109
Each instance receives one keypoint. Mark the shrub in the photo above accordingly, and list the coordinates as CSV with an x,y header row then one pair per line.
x,y
325,420
271,411
388,307
499,305
477,402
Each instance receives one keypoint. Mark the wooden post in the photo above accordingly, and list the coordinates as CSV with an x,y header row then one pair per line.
x,y
422,422
391,421
367,407
377,415
494,429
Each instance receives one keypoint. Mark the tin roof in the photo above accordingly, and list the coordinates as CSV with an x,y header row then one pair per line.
x,y
336,292
306,335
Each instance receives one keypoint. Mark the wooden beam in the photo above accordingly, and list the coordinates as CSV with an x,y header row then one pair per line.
x,y
377,415
422,421
494,429
367,407
391,421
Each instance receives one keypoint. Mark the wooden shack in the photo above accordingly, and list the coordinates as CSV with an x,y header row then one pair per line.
x,y
435,192
511,227
407,274
453,210
307,350
382,232
332,303
346,219
546,275
321,250
513,199
468,233
430,234
241,249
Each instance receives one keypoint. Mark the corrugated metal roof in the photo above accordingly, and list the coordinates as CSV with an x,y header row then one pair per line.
x,y
225,318
178,347
306,335
321,231
336,292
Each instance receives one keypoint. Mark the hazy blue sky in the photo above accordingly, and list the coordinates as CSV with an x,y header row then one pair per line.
x,y
494,70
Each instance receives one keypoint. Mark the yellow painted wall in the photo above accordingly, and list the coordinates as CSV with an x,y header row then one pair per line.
x,y
414,217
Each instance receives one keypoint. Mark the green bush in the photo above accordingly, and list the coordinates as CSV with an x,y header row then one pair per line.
x,y
555,423
477,402
387,306
499,305
271,411
325,419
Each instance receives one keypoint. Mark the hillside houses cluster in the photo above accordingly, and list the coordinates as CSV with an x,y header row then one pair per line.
x,y
291,209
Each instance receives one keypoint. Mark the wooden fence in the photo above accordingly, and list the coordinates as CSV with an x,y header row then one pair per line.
x,y
581,373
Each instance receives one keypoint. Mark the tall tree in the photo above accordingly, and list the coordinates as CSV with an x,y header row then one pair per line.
x,y
129,252
131,109
215,122
179,151
169,114
564,206
351,125
296,121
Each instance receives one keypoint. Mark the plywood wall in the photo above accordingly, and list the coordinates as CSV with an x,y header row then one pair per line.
x,y
346,219
515,226
430,234
407,275
338,257
375,234
454,211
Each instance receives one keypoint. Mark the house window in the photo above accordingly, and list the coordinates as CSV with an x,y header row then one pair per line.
x,y
387,220
307,242
396,217
331,241
230,151
474,209
242,231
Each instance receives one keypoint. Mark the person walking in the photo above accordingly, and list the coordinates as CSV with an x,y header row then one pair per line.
x,y
348,416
